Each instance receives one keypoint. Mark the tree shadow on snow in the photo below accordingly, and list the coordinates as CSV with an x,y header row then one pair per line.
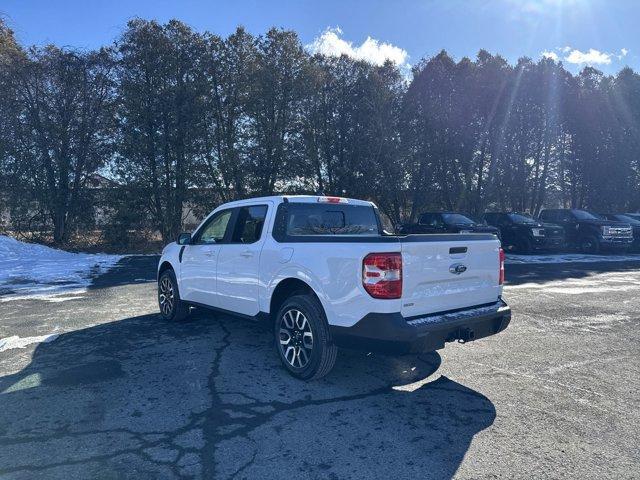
x,y
207,398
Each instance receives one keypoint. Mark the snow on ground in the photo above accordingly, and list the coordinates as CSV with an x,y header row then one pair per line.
x,y
36,271
19,342
570,257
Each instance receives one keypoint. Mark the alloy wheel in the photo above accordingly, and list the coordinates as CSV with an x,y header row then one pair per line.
x,y
166,297
296,338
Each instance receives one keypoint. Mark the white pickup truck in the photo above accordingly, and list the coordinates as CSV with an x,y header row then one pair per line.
x,y
324,271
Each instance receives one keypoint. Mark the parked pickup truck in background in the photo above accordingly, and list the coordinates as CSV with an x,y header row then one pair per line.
x,y
324,273
632,221
446,222
589,232
524,234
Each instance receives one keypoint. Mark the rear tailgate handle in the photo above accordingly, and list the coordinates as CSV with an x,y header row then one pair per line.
x,y
456,250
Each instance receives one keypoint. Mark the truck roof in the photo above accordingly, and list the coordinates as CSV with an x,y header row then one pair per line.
x,y
295,199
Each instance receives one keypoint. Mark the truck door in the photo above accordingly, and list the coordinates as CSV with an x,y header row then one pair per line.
x,y
572,233
508,230
198,266
239,262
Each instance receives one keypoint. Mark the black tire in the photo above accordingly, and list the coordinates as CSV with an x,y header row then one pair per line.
x,y
524,246
171,307
303,362
589,245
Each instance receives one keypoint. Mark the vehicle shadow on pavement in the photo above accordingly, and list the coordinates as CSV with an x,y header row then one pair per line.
x,y
128,270
207,398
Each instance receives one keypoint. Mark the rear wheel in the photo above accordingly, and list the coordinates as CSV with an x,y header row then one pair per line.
x,y
171,307
589,245
302,338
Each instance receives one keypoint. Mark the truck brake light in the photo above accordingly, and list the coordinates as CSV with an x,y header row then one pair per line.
x,y
332,200
382,275
501,273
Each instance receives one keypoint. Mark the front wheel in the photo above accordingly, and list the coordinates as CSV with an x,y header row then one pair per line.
x,y
589,245
302,338
524,246
171,306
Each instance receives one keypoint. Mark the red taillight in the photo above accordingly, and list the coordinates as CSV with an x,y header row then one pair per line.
x,y
501,274
332,200
382,275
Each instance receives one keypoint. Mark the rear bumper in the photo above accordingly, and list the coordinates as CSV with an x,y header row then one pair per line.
x,y
393,333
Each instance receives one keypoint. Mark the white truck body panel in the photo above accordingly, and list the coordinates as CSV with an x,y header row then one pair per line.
x,y
430,287
241,278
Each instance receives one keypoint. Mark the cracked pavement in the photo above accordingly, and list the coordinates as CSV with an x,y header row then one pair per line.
x,y
122,394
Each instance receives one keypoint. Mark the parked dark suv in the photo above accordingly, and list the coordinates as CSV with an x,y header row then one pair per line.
x,y
446,222
524,234
589,232
635,225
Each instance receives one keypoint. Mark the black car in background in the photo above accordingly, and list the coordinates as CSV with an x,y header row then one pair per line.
x,y
589,232
524,234
446,222
626,218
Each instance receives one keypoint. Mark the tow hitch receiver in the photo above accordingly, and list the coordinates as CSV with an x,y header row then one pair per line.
x,y
464,335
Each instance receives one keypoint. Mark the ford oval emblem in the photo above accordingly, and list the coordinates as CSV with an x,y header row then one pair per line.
x,y
457,268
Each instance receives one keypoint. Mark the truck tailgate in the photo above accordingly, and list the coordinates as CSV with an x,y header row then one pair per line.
x,y
448,272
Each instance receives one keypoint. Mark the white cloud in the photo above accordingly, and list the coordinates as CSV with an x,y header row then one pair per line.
x,y
331,43
578,57
592,57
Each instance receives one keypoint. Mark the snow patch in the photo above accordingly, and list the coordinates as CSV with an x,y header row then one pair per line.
x,y
54,297
15,341
569,258
32,270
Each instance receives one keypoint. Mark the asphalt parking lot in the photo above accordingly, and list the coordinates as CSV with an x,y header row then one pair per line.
x,y
120,394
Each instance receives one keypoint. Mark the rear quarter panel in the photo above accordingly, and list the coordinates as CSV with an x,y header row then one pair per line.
x,y
333,270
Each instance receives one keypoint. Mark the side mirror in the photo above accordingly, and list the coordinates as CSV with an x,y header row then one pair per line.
x,y
184,239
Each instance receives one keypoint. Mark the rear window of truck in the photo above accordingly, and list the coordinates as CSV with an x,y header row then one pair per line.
x,y
307,219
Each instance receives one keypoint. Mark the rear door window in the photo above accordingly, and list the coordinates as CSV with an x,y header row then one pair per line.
x,y
249,224
304,219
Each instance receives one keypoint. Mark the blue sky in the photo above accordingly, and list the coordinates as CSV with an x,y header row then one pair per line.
x,y
603,33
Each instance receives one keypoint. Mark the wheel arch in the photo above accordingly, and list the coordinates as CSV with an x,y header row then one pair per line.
x,y
163,267
285,289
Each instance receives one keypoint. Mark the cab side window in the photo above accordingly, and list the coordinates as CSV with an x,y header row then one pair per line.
x,y
215,229
249,224
430,220
566,217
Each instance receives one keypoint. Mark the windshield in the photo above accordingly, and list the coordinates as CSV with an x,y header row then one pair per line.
x,y
584,215
519,218
456,218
